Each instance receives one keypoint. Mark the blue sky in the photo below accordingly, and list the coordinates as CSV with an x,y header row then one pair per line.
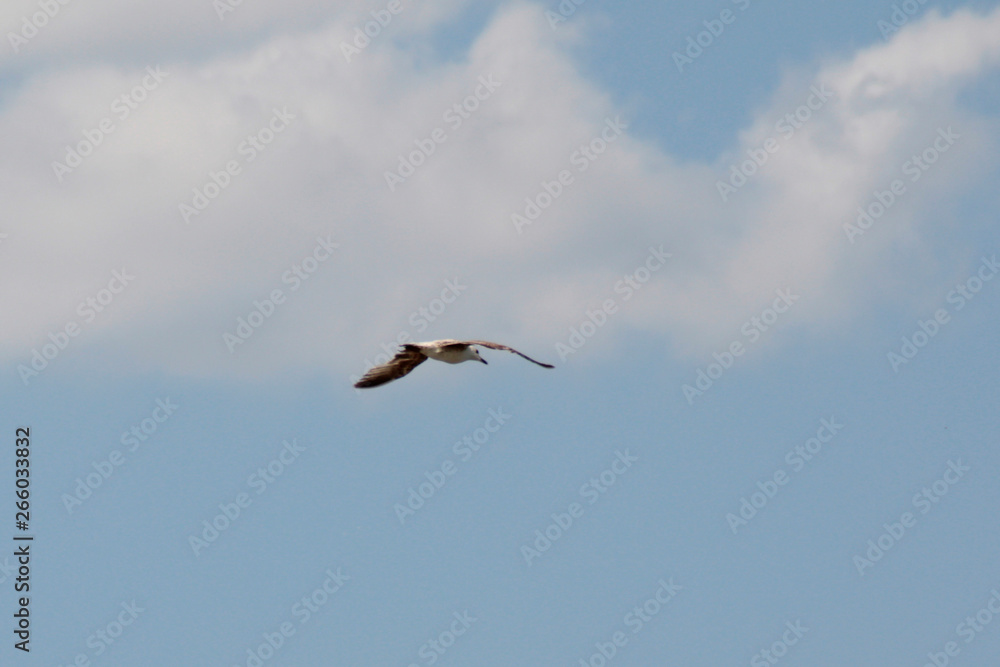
x,y
765,278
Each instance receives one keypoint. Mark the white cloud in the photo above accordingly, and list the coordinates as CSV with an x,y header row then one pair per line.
x,y
324,174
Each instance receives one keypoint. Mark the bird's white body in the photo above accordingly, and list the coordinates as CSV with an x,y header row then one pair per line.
x,y
447,351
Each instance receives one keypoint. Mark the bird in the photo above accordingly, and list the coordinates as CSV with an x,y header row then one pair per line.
x,y
447,350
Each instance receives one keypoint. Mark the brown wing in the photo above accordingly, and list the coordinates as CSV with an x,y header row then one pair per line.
x,y
498,346
404,362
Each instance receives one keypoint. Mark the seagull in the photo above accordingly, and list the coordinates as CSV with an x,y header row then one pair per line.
x,y
447,350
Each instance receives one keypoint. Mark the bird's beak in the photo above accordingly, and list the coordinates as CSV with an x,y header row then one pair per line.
x,y
482,360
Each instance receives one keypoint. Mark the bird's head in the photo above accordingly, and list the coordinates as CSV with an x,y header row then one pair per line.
x,y
474,354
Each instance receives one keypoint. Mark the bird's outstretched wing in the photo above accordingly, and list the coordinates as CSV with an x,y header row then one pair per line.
x,y
404,362
498,346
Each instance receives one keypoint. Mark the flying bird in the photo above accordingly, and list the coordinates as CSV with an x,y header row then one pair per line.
x,y
447,350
